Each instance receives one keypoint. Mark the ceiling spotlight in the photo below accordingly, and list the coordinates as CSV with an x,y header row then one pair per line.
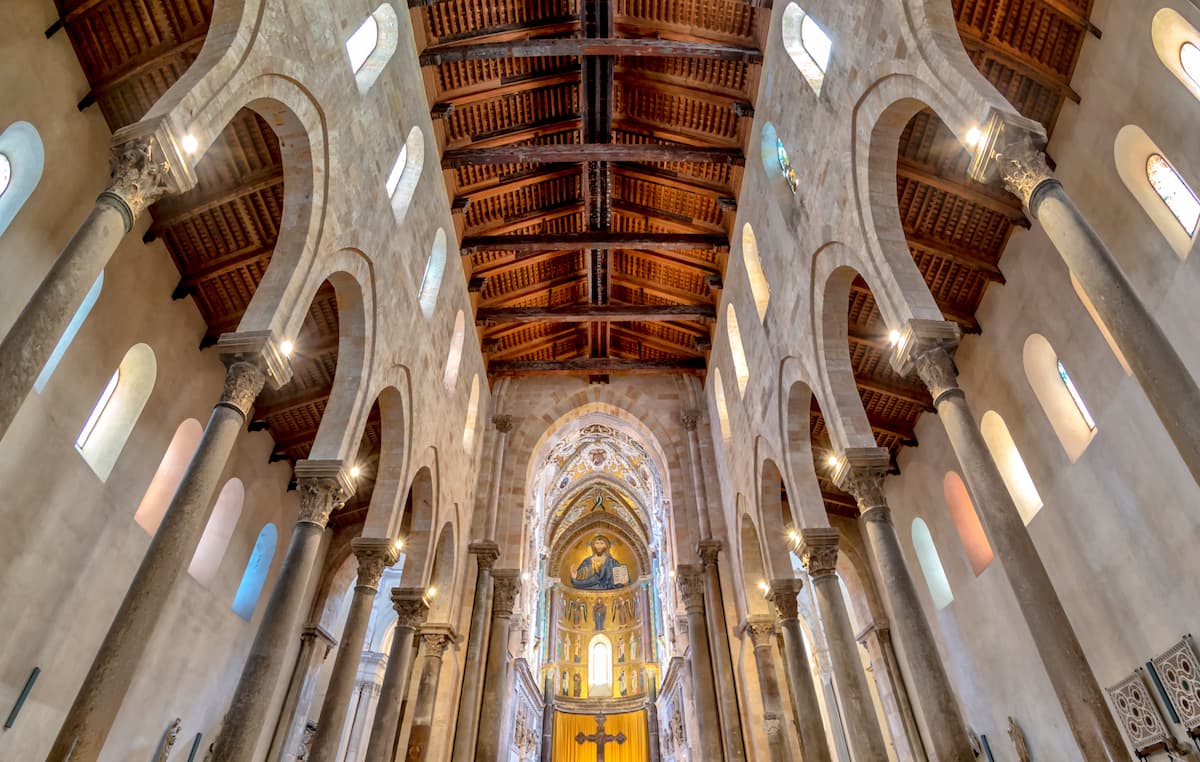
x,y
974,136
354,472
190,144
287,347
894,337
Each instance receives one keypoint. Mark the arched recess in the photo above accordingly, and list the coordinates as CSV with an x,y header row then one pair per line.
x,y
600,667
217,533
245,600
1175,211
169,474
755,577
431,281
1172,35
760,289
1057,393
737,350
116,412
804,495
454,356
401,184
1012,466
77,320
931,565
966,521
774,519
22,159
807,45
372,45
416,526
441,577
386,510
468,437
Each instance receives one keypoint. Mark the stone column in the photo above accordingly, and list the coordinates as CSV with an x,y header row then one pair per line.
x,y
806,709
547,749
714,605
485,554
324,488
434,640
146,164
860,472
818,552
761,630
925,346
690,418
367,688
315,645
893,693
652,729
691,587
503,424
374,555
1011,152
250,359
506,584
411,609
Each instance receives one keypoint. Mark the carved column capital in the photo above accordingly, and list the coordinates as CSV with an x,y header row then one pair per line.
x,y
435,643
691,587
411,607
486,552
782,595
324,487
860,472
243,383
708,551
761,629
690,418
139,175
262,349
503,423
506,585
819,551
1021,164
316,632
374,555
926,347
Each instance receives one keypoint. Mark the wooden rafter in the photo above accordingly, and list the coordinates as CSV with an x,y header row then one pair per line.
x,y
593,240
439,55
526,153
590,365
588,312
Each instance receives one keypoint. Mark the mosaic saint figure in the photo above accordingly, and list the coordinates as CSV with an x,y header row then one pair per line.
x,y
596,571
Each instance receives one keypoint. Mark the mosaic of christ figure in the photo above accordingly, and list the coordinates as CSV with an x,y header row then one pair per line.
x,y
596,571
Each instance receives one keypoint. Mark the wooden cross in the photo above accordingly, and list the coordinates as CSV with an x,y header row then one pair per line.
x,y
600,738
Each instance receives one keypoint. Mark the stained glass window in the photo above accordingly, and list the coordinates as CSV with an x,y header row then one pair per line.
x,y
1078,400
785,165
5,173
1174,192
1189,59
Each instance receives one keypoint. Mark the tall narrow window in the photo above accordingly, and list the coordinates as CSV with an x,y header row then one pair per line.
x,y
401,183
217,533
255,575
73,327
372,45
1174,192
754,271
740,366
89,427
719,399
393,180
807,45
931,565
1012,466
600,667
454,358
168,475
5,173
21,161
362,43
1079,405
966,521
1189,59
431,281
785,165
111,421
472,414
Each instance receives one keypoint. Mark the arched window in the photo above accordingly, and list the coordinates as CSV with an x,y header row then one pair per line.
x,y
1058,396
22,158
228,509
759,288
931,565
600,667
1177,44
966,521
740,366
785,165
807,45
431,281
1174,192
1012,466
406,171
454,358
372,45
115,413
68,336
255,575
719,400
1189,59
168,475
472,414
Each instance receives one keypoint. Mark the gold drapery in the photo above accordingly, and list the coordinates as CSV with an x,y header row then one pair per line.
x,y
632,724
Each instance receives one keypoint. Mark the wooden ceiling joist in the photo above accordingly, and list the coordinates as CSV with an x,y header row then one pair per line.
x,y
674,180
222,264
593,240
502,87
173,211
959,255
297,402
438,55
911,395
580,313
530,153
981,195
1019,61
590,365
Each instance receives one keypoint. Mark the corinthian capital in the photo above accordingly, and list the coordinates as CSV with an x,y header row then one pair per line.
x,y
1022,165
506,585
782,595
324,488
761,629
260,349
411,606
486,552
374,555
139,174
708,551
243,383
819,551
860,473
936,369
691,587
436,643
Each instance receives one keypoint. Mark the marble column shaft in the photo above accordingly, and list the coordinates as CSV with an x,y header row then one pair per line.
x,y
489,747
91,716
1078,693
818,552
141,174
374,555
652,729
861,473
761,630
324,487
708,718
878,642
315,645
485,554
411,609
806,709
367,690
727,698
434,640
1159,369
546,751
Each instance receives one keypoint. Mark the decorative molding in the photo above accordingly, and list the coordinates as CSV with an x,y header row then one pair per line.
x,y
486,552
761,629
926,348
324,487
708,551
819,551
411,607
374,555
860,472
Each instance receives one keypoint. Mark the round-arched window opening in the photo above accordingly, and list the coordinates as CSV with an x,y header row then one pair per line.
x,y
362,43
1189,59
785,165
816,43
5,173
1174,192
